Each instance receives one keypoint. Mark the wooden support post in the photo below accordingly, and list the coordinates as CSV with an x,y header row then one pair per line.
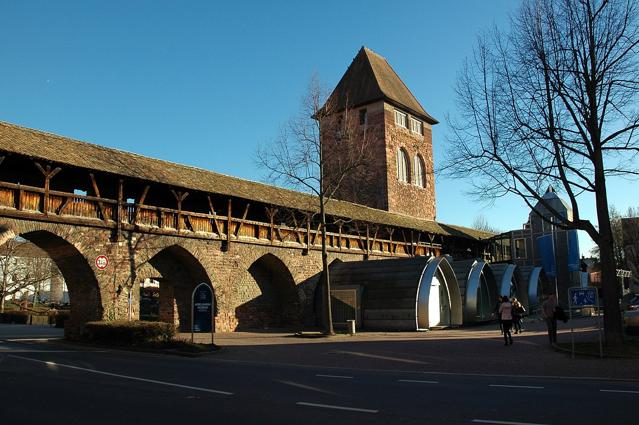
x,y
308,233
19,206
228,225
390,231
218,227
239,225
140,202
368,241
63,205
374,239
118,215
179,197
270,213
48,174
97,194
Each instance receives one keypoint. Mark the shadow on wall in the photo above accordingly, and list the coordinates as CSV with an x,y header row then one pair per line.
x,y
84,290
278,304
179,273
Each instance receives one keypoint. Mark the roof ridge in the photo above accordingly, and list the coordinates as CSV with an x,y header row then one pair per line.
x,y
277,195
109,148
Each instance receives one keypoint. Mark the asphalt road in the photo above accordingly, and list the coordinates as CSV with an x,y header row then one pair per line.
x,y
53,383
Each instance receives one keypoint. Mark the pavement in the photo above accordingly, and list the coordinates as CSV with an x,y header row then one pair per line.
x,y
472,350
456,376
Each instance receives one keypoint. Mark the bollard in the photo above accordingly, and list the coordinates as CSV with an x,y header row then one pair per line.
x,y
351,327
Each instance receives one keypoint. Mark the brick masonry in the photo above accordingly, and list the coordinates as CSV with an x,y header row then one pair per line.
x,y
377,184
254,286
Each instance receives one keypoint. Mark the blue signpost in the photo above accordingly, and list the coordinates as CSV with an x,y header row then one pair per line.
x,y
202,310
584,297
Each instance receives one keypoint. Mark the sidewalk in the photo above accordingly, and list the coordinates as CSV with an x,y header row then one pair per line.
x,y
471,350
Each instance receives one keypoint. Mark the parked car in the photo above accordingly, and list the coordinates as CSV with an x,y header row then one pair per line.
x,y
631,315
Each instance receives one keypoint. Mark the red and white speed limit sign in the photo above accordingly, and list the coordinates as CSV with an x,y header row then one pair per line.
x,y
101,262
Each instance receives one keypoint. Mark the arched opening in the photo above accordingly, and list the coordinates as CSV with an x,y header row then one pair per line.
x,y
55,274
178,273
438,296
403,166
274,300
420,178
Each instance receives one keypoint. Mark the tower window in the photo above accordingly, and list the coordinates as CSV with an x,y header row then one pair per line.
x,y
420,179
402,166
416,126
400,118
362,116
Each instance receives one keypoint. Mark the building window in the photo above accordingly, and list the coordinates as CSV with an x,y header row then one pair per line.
x,y
400,118
403,167
362,116
520,248
418,168
416,126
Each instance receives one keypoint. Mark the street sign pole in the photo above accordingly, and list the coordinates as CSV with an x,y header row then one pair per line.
x,y
584,297
572,331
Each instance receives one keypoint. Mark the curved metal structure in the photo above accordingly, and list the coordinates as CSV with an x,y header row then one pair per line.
x,y
403,294
479,288
532,276
439,275
509,282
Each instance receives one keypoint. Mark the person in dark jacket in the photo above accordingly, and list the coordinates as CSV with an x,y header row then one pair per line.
x,y
518,314
548,313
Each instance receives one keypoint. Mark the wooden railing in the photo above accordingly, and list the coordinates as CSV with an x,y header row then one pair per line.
x,y
78,209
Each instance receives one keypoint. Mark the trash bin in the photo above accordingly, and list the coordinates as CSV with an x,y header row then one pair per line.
x,y
351,326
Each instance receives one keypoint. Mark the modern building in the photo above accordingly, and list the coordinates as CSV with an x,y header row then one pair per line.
x,y
544,242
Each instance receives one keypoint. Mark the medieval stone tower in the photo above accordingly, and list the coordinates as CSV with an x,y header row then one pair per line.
x,y
397,174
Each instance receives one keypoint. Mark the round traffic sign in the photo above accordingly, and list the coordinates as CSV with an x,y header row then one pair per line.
x,y
101,262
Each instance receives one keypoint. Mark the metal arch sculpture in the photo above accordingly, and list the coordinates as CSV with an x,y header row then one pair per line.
x,y
437,267
507,275
533,287
477,270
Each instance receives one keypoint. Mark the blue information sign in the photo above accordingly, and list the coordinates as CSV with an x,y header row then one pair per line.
x,y
582,297
202,309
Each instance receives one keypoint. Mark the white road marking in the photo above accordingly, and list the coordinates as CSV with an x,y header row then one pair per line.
x,y
619,391
305,387
330,406
117,375
375,356
334,376
418,381
486,421
517,386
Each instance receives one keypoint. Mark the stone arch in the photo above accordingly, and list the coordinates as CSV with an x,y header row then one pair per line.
x,y
275,302
178,272
82,284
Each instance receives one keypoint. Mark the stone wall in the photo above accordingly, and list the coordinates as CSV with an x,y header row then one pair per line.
x,y
179,264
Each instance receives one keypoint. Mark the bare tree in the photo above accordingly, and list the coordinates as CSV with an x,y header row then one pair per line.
x,y
481,223
554,102
318,162
20,270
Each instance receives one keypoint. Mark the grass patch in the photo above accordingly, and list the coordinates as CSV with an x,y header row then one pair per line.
x,y
630,349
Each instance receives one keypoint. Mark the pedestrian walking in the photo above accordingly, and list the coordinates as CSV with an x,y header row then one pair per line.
x,y
505,314
518,314
548,313
497,314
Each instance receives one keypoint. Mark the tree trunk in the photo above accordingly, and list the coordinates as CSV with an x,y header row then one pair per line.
x,y
613,330
325,273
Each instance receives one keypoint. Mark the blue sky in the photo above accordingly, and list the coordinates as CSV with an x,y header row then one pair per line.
x,y
204,84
